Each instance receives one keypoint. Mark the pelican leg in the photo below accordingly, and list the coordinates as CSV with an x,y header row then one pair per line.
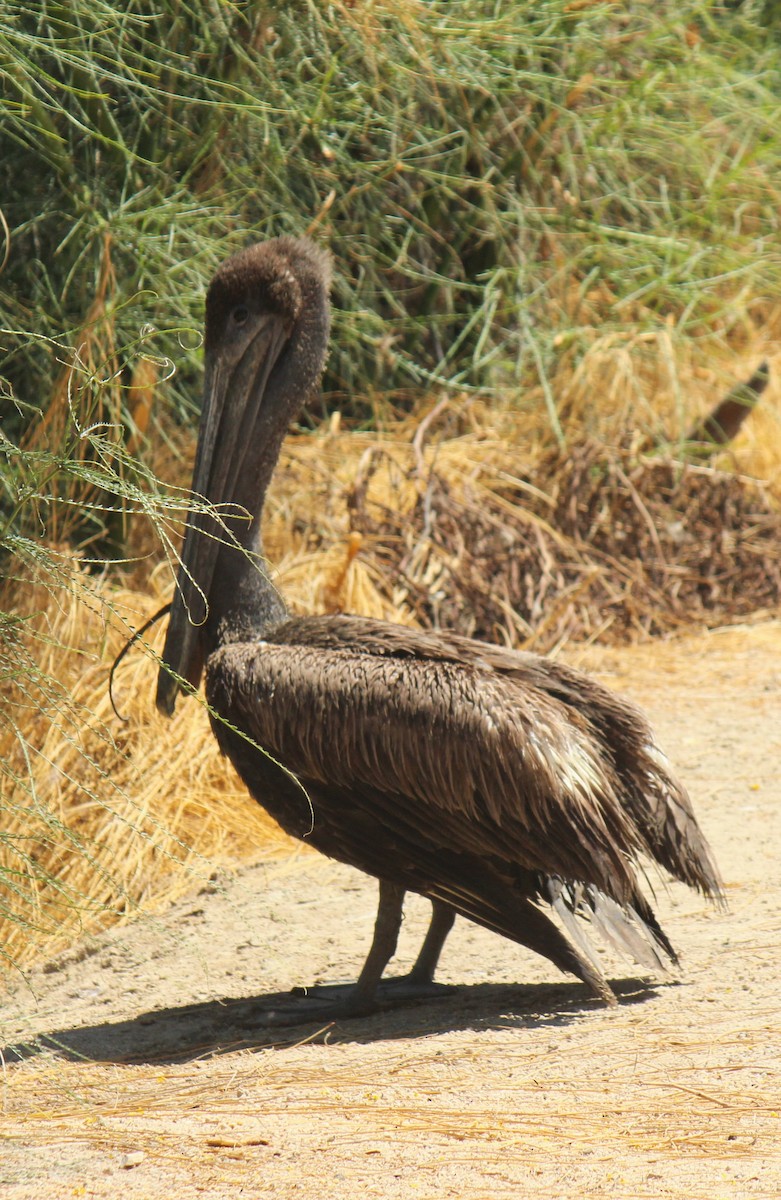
x,y
363,994
370,992
442,920
331,1002
419,983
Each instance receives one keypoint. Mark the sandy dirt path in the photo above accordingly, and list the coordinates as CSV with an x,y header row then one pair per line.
x,y
156,1080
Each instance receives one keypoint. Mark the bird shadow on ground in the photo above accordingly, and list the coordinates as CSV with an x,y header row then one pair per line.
x,y
196,1031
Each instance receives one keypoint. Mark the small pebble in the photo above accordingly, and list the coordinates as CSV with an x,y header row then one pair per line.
x,y
133,1159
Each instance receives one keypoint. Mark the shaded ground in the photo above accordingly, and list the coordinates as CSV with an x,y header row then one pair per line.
x,y
153,1084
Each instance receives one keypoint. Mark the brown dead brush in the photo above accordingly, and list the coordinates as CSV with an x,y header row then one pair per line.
x,y
604,545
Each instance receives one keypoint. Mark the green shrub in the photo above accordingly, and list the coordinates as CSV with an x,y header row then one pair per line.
x,y
495,180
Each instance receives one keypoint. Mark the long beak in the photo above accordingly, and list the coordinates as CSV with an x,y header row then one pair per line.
x,y
233,396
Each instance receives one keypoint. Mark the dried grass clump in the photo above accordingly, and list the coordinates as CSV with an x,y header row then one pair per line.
x,y
603,543
100,816
469,519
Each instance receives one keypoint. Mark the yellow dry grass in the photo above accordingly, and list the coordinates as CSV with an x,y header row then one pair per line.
x,y
139,1110
107,815
660,385
116,814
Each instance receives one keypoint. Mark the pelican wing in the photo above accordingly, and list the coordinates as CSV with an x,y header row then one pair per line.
x,y
459,752
651,796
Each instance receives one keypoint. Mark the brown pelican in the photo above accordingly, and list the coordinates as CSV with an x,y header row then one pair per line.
x,y
496,783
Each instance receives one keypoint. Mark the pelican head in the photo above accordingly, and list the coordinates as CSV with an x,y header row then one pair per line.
x,y
267,323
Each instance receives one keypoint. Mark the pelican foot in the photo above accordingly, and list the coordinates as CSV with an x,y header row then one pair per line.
x,y
341,1001
323,1005
404,989
389,993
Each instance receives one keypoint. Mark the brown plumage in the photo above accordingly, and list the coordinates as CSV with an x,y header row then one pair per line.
x,y
494,782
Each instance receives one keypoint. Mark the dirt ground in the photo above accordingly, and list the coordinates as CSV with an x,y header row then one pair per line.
x,y
137,1063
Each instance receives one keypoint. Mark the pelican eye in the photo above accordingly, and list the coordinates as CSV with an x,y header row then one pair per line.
x,y
240,314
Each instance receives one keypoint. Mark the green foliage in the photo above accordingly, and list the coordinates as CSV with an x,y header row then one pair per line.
x,y
478,169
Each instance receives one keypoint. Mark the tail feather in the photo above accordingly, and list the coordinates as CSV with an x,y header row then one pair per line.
x,y
633,930
525,923
663,811
625,929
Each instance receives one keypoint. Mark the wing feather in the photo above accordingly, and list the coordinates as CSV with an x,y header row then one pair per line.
x,y
651,796
470,755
